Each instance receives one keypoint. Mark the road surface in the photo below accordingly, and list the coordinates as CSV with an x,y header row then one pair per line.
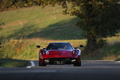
x,y
90,70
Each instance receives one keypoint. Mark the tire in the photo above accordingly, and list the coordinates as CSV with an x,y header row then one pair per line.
x,y
39,63
77,63
43,64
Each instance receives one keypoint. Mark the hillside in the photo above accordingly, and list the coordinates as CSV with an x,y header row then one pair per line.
x,y
35,22
27,27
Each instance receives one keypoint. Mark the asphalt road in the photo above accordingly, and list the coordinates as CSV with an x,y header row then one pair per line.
x,y
90,70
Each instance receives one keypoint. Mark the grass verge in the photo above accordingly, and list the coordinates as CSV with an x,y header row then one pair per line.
x,y
26,49
13,63
110,51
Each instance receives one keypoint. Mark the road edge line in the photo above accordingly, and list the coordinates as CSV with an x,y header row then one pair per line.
x,y
118,61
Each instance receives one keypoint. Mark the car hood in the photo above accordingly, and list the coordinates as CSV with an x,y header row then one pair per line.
x,y
60,53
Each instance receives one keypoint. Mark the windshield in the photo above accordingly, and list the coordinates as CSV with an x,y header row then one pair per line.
x,y
59,46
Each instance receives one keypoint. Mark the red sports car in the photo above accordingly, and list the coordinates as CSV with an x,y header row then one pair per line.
x,y
59,53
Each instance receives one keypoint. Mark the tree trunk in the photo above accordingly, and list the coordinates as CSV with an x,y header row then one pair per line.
x,y
91,45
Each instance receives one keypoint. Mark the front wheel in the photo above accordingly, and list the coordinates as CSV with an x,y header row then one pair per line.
x,y
77,63
42,64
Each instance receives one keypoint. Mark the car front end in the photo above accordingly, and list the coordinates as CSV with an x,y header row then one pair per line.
x,y
56,54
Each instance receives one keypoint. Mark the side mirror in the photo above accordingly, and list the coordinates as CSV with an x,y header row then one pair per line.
x,y
81,46
38,46
44,48
75,47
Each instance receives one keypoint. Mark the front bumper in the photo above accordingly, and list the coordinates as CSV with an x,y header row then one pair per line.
x,y
60,60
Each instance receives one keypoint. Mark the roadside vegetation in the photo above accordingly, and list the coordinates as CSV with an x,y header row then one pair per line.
x,y
13,63
25,49
26,28
110,51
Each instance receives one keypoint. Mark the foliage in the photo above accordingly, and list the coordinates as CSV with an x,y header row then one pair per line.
x,y
112,50
98,18
1,37
13,4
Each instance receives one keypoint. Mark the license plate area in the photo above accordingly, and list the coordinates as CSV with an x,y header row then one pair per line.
x,y
59,62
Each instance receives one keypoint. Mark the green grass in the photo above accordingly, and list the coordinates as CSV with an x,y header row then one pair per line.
x,y
110,51
26,49
36,22
27,27
13,63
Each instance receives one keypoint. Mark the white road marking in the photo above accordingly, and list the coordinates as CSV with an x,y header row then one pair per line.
x,y
118,61
28,67
48,71
32,64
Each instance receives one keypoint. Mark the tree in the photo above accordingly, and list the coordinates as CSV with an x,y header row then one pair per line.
x,y
98,18
1,37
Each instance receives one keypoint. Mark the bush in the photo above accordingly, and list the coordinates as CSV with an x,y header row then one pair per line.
x,y
101,43
12,48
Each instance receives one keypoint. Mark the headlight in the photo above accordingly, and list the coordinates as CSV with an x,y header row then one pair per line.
x,y
73,60
45,52
47,60
74,52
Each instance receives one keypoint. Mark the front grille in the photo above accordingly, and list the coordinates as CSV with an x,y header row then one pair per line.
x,y
60,59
